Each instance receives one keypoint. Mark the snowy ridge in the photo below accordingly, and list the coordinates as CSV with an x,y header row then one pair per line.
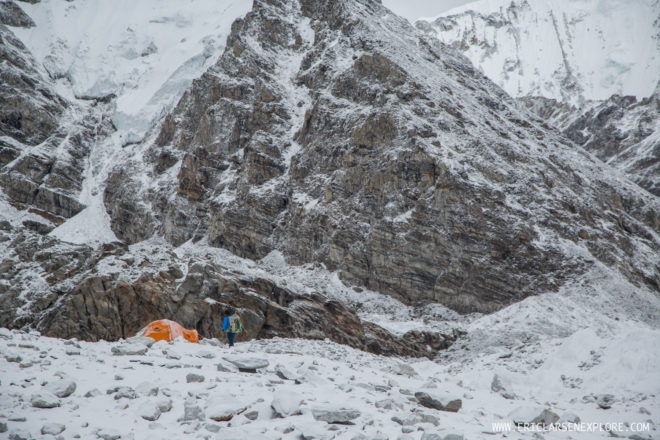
x,y
572,51
144,53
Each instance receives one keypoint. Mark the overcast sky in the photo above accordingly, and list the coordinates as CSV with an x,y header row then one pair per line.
x,y
414,9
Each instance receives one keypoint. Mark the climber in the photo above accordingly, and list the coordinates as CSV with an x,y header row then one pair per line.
x,y
231,325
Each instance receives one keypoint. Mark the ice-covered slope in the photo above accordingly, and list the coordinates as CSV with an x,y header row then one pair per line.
x,y
145,53
569,50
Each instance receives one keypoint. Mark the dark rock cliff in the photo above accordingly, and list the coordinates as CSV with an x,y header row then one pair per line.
x,y
335,132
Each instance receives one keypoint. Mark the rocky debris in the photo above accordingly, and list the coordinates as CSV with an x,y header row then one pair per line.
x,y
426,400
191,412
44,399
286,403
3,427
387,404
402,369
169,354
569,418
129,350
147,389
533,416
149,410
335,415
52,428
93,393
224,408
248,365
605,401
283,373
61,388
108,434
125,392
546,417
252,415
138,345
497,386
164,404
192,377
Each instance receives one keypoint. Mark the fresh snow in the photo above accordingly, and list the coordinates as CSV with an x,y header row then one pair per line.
x,y
600,350
540,47
145,52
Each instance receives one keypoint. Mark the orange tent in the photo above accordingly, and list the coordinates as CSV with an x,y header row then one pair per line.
x,y
166,330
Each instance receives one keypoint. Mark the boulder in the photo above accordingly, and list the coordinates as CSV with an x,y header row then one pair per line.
x,y
192,377
428,401
497,385
248,365
147,389
191,412
52,428
286,403
125,392
108,434
605,401
61,388
149,410
93,393
164,404
335,415
44,399
222,407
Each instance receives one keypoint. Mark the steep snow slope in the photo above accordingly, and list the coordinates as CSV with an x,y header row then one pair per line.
x,y
569,50
146,53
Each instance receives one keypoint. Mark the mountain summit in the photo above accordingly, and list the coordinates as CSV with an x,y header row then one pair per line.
x,y
339,134
572,51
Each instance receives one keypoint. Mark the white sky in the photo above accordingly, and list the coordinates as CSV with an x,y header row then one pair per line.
x,y
414,9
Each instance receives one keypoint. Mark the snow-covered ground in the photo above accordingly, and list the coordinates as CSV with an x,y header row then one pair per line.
x,y
613,364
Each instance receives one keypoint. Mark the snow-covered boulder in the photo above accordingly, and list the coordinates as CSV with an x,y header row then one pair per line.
x,y
147,389
164,404
44,399
335,415
149,411
192,377
52,428
437,402
61,388
223,408
286,403
502,386
532,415
248,365
191,412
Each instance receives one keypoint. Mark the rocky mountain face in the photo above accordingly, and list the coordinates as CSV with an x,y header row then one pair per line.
x,y
320,133
571,51
591,74
337,135
622,131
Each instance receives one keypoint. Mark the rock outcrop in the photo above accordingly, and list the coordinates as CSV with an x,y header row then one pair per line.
x,y
621,131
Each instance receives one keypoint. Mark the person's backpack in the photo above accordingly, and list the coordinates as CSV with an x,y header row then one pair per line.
x,y
235,325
